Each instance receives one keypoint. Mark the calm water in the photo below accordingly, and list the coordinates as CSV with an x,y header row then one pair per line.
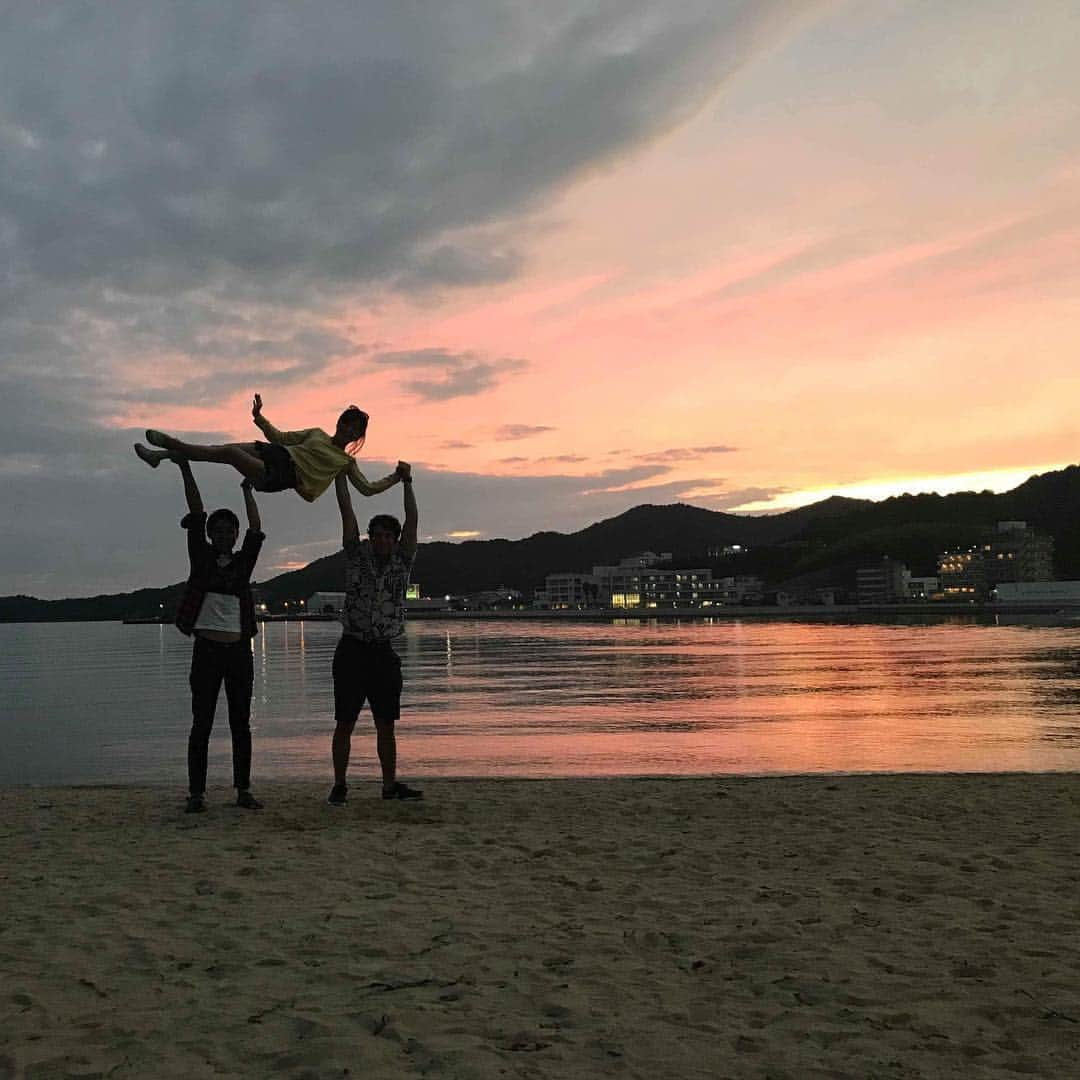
x,y
103,702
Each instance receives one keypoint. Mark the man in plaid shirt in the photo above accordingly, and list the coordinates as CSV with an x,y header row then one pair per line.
x,y
366,667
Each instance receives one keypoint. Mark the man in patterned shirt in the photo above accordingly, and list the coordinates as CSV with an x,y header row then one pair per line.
x,y
365,664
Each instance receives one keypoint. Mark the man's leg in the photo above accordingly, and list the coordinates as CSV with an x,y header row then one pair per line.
x,y
239,680
386,744
341,748
385,693
348,700
205,681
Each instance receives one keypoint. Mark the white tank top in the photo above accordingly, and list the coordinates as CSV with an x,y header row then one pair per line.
x,y
219,611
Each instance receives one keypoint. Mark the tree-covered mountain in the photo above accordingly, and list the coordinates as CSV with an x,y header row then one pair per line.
x,y
823,543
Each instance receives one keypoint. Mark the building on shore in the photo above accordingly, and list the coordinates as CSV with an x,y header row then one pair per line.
x,y
923,588
883,582
568,590
644,581
1013,553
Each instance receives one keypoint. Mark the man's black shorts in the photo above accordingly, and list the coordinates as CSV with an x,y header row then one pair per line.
x,y
365,671
280,469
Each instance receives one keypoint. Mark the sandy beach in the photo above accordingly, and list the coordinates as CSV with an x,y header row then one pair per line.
x,y
899,926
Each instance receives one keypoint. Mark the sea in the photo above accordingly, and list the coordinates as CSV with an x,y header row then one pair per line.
x,y
108,703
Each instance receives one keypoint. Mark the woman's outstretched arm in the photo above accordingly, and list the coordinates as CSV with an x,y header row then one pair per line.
x,y
281,438
370,487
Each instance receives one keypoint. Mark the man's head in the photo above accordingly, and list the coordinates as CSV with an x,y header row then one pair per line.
x,y
383,531
222,530
352,428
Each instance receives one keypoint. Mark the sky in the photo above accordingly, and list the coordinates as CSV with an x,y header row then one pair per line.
x,y
571,257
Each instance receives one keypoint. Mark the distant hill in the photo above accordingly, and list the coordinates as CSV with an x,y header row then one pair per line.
x,y
822,542
686,531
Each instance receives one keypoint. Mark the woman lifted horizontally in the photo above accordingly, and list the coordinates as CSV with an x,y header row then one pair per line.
x,y
306,461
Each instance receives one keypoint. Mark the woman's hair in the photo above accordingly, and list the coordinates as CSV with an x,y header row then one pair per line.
x,y
224,514
355,416
385,521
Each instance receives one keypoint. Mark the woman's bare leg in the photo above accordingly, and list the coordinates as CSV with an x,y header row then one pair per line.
x,y
241,456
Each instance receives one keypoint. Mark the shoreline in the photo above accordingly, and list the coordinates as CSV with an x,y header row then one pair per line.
x,y
850,925
369,777
848,613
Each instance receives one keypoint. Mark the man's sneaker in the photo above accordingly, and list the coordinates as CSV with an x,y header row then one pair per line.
x,y
338,795
247,800
398,790
196,804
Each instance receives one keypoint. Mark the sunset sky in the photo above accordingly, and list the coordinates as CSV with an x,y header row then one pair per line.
x,y
571,257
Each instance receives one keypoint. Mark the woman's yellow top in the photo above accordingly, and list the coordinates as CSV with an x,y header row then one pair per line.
x,y
317,459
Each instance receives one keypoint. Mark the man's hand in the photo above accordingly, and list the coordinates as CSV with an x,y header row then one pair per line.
x,y
404,470
256,406
245,485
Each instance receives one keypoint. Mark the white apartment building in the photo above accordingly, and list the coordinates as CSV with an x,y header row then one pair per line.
x,y
569,590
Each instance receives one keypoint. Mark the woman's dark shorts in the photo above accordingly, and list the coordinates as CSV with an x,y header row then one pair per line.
x,y
366,671
280,470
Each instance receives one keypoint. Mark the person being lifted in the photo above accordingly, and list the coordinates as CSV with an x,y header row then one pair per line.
x,y
306,462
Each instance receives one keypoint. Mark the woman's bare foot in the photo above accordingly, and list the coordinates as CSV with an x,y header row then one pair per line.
x,y
153,458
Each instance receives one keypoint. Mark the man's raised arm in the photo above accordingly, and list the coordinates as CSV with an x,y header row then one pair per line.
x,y
191,489
251,506
412,515
350,531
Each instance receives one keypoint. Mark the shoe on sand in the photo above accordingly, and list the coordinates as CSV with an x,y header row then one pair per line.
x,y
196,804
338,795
248,801
153,458
398,790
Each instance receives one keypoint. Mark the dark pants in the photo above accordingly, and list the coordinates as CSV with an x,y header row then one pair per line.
x,y
366,671
214,662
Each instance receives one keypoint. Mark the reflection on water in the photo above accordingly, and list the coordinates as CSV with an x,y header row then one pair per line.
x,y
104,702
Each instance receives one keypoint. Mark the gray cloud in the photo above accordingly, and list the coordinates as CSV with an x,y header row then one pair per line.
x,y
512,432
549,459
423,358
736,497
239,155
685,453
460,374
448,265
465,381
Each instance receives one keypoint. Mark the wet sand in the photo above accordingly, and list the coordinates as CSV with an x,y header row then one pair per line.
x,y
899,926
